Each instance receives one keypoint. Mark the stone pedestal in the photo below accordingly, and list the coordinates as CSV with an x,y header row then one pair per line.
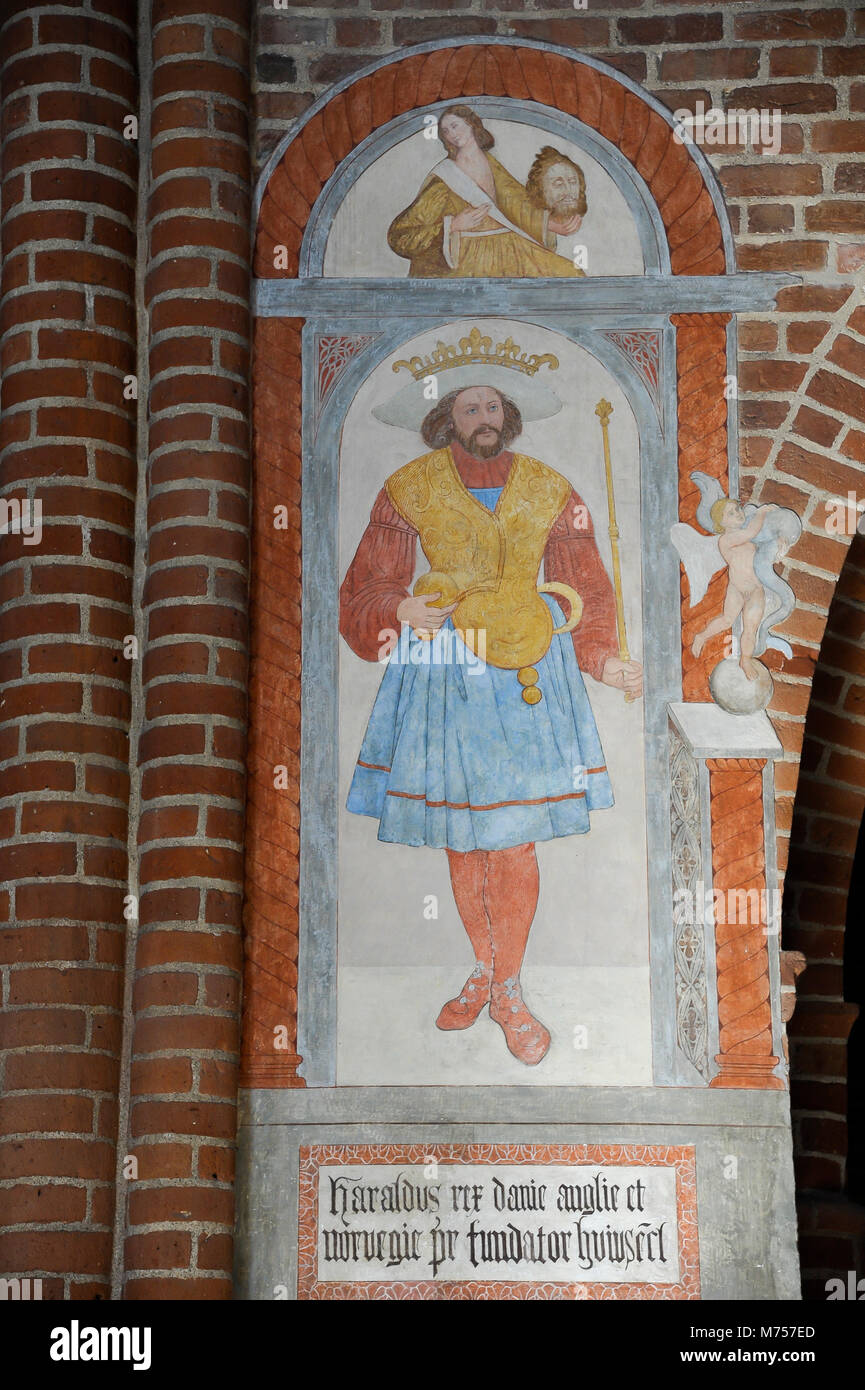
x,y
723,857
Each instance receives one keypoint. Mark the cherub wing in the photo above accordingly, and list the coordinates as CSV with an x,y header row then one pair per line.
x,y
710,492
781,530
700,555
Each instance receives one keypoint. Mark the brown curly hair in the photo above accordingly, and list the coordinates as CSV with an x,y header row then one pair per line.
x,y
544,160
438,428
484,137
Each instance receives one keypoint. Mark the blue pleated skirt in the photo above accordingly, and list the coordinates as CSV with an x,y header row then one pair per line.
x,y
453,757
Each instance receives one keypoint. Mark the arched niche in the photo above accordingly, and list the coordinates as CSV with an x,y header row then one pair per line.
x,y
648,491
669,333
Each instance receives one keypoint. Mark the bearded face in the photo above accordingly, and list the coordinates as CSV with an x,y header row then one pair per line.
x,y
561,190
484,443
479,421
484,421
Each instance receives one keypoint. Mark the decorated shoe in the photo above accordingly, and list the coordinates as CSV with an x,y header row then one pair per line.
x,y
526,1038
473,997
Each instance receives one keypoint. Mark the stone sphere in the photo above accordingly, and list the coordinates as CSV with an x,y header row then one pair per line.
x,y
732,690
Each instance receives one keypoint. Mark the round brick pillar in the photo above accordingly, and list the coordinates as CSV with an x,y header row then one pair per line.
x,y
192,745
67,449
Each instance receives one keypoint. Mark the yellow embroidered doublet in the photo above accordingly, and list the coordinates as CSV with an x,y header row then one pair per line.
x,y
488,561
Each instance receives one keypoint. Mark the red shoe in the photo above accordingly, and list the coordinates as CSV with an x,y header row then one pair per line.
x,y
526,1038
473,997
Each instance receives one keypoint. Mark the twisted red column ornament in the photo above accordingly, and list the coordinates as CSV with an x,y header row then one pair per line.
x,y
269,1052
701,370
742,950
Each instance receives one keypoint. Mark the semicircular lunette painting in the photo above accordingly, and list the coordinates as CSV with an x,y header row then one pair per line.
x,y
466,195
529,901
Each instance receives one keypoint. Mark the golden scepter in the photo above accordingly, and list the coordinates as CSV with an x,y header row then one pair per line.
x,y
604,410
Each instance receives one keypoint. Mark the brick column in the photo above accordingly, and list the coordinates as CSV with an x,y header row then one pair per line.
x,y
67,443
192,747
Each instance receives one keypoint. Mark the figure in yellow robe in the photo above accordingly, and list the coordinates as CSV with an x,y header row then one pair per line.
x,y
503,233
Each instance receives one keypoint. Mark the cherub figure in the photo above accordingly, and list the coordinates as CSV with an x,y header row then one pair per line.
x,y
749,540
744,591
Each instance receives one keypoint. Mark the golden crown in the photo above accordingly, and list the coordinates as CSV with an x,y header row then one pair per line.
x,y
477,351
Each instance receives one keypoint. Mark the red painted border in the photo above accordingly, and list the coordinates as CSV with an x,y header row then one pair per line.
x,y
681,1157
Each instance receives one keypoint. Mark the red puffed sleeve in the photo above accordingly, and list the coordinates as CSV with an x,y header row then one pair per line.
x,y
572,557
377,580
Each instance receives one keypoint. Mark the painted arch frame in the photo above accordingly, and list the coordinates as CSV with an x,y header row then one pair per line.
x,y
300,187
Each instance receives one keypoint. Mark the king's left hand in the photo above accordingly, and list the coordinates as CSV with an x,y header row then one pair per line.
x,y
624,675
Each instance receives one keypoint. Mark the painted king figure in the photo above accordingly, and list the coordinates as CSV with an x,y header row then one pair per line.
x,y
482,740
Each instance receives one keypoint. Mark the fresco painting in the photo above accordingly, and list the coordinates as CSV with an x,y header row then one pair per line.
x,y
468,194
539,630
479,589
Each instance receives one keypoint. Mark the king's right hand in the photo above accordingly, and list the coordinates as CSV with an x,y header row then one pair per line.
x,y
422,612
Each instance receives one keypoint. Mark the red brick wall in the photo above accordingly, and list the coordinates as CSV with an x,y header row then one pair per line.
x,y
68,325
67,437
192,735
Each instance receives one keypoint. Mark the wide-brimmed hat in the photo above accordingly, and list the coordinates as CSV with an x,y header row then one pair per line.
x,y
475,361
